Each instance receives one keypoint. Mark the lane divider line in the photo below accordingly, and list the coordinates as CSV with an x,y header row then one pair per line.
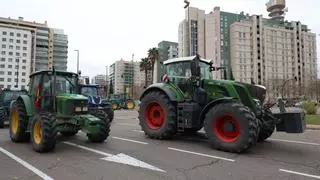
x,y
298,173
134,130
297,142
88,149
26,165
200,154
130,140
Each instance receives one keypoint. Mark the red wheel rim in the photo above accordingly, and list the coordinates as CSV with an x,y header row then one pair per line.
x,y
154,116
226,128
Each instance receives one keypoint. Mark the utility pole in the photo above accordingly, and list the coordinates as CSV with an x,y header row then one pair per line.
x,y
77,60
187,3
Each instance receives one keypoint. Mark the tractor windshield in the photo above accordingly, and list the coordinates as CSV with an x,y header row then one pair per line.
x,y
89,91
66,84
182,70
11,95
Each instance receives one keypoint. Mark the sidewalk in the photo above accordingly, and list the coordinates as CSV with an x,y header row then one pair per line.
x,y
314,127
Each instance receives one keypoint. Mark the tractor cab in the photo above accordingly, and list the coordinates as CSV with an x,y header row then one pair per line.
x,y
92,92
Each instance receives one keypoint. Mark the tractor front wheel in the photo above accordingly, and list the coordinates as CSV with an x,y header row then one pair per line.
x,y
18,123
267,127
130,104
115,106
43,132
231,127
103,133
158,116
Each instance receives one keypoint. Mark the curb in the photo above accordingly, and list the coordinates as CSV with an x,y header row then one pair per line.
x,y
313,127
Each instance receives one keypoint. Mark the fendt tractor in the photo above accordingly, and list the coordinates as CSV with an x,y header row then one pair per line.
x,y
53,105
94,100
232,113
7,96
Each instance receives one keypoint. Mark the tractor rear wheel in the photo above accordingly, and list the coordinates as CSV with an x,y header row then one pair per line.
x,y
104,129
18,123
231,127
267,127
2,118
43,132
158,116
115,106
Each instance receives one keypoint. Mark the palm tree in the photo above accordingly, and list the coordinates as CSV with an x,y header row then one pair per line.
x,y
144,66
153,55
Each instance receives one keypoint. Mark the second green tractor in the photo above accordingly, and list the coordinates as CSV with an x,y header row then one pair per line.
x,y
53,104
232,113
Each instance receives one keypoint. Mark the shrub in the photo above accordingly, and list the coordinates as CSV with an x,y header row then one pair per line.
x,y
310,107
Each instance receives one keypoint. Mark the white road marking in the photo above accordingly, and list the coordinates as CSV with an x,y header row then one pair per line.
x,y
126,124
200,154
130,140
298,142
298,173
134,130
26,165
119,158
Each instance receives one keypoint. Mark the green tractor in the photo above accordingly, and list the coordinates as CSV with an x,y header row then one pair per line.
x,y
121,101
54,104
232,113
7,96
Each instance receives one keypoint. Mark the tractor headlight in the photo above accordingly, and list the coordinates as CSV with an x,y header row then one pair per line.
x,y
78,109
85,109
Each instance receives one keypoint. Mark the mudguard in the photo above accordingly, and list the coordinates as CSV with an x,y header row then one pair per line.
x,y
27,103
169,90
213,103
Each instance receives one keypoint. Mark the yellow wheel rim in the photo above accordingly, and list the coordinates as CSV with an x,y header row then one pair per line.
x,y
130,105
14,121
37,132
114,106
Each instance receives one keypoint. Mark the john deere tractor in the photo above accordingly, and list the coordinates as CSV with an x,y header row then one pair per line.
x,y
7,96
231,113
53,105
94,100
121,101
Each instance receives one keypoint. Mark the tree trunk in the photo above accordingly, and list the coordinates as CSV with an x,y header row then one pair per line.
x,y
146,77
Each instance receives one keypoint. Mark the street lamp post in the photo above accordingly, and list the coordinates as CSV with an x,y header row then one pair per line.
x,y
77,60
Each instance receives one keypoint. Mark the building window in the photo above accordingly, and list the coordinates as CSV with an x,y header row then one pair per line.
x,y
4,39
24,61
24,54
9,73
10,47
16,66
24,48
18,41
9,80
1,79
1,72
4,46
9,86
17,60
23,67
17,54
10,59
23,80
9,66
11,40
23,74
25,42
17,47
11,34
4,33
10,53
2,66
18,35
3,59
25,35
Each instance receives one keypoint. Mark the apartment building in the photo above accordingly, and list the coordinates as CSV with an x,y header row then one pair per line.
x,y
123,75
99,79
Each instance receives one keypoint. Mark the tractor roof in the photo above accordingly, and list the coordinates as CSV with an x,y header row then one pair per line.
x,y
58,72
181,59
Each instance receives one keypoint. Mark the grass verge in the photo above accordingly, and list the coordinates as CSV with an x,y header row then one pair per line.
x,y
313,119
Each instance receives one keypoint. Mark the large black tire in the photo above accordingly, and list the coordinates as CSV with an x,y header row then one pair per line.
x,y
110,113
244,123
3,118
267,127
18,123
158,116
46,140
104,131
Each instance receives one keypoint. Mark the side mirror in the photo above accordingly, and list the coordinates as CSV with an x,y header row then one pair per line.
x,y
194,66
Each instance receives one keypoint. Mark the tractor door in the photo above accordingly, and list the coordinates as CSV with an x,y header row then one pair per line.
x,y
41,94
180,75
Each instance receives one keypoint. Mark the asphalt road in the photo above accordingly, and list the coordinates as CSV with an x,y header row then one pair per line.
x,y
128,154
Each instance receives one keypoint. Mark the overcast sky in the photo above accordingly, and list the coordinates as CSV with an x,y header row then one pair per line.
x,y
107,30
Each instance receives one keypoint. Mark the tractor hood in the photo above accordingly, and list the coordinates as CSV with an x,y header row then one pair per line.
x,y
257,91
72,96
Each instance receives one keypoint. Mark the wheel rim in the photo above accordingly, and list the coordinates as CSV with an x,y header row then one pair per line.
x,y
37,134
14,121
226,128
130,105
114,106
154,116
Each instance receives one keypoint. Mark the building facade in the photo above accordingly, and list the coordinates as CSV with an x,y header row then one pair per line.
x,y
125,75
99,79
36,45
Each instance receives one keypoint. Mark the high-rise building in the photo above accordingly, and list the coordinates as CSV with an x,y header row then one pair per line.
x,y
268,51
99,79
167,50
125,74
36,45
